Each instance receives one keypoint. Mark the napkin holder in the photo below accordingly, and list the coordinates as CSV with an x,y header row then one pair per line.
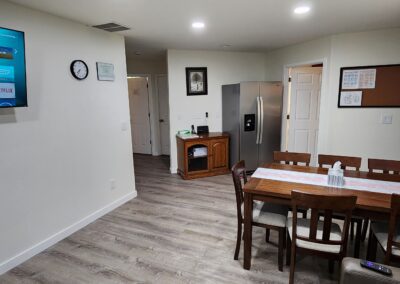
x,y
335,175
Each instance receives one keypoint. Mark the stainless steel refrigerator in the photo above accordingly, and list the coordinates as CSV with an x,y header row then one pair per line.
x,y
251,114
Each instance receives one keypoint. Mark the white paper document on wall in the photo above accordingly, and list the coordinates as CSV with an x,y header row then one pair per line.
x,y
359,79
352,98
366,79
350,79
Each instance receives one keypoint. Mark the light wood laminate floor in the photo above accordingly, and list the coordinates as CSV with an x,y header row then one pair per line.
x,y
175,231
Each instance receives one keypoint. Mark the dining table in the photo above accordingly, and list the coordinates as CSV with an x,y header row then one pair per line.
x,y
274,183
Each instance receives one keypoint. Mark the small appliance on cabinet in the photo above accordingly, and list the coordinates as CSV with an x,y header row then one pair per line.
x,y
251,114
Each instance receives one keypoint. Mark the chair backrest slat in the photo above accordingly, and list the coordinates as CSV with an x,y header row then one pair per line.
x,y
327,225
386,166
292,157
314,224
329,204
238,174
347,161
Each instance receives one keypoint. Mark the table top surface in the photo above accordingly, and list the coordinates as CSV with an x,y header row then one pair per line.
x,y
282,189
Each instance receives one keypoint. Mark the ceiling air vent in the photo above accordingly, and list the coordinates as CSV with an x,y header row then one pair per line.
x,y
111,27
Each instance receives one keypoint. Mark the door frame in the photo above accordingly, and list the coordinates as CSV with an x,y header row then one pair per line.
x,y
151,110
158,112
286,94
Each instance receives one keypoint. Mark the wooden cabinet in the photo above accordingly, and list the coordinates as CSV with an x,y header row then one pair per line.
x,y
206,155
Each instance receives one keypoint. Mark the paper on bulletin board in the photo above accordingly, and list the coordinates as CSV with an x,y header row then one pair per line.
x,y
367,78
359,79
352,98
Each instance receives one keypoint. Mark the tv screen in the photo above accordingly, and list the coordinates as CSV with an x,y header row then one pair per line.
x,y
12,69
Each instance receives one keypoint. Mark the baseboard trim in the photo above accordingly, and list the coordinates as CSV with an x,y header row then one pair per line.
x,y
41,246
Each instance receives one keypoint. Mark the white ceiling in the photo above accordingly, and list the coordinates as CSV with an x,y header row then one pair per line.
x,y
252,25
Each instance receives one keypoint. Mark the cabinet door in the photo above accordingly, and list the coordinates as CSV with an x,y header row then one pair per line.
x,y
219,153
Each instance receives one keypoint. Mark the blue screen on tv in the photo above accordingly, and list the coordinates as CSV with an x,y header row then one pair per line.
x,y
12,69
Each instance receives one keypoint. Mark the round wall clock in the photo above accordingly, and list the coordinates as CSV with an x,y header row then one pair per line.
x,y
79,69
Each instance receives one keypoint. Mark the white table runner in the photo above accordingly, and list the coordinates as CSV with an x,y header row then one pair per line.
x,y
322,180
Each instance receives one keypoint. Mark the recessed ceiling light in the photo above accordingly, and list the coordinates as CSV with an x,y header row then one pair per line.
x,y
198,25
302,9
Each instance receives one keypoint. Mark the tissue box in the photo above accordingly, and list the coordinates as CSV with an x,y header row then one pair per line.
x,y
335,177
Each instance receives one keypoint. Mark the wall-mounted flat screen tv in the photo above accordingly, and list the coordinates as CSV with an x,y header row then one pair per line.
x,y
12,69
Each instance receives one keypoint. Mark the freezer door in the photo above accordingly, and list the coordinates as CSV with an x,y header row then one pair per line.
x,y
270,137
231,119
249,91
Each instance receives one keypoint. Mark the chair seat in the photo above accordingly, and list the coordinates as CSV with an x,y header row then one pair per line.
x,y
269,214
380,230
303,230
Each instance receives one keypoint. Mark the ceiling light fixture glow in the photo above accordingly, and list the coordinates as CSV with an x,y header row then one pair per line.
x,y
302,10
198,25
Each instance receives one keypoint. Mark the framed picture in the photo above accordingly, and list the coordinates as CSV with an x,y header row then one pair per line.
x,y
105,71
196,81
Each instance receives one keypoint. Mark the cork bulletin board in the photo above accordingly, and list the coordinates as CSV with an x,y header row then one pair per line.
x,y
369,86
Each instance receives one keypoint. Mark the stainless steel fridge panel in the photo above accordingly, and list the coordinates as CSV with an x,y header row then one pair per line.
x,y
231,119
271,94
249,91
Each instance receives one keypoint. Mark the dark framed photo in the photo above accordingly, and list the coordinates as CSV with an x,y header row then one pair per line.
x,y
196,81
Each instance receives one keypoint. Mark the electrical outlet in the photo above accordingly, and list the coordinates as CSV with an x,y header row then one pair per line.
x,y
124,126
112,184
387,119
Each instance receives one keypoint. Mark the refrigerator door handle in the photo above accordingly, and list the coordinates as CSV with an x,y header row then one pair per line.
x,y
261,120
258,120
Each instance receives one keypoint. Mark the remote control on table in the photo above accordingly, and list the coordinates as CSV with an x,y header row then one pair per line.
x,y
376,267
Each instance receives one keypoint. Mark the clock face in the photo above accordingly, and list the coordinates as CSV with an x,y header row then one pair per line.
x,y
79,69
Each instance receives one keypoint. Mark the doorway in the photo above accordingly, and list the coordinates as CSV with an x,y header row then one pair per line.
x,y
163,113
302,109
138,89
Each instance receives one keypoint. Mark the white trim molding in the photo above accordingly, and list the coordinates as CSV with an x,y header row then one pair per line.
x,y
46,243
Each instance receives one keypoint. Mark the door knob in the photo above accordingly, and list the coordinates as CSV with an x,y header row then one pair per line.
x,y
161,120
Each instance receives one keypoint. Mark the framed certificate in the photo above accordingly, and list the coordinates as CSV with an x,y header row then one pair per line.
x,y
105,71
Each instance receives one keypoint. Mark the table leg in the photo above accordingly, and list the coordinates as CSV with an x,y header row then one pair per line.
x,y
248,230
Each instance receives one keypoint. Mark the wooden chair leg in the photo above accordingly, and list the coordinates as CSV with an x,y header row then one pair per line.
x,y
357,242
281,236
267,235
292,262
238,241
372,246
288,248
331,266
364,229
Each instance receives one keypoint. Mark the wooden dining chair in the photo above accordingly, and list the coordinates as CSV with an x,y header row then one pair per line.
x,y
384,167
348,163
292,158
386,234
314,237
269,217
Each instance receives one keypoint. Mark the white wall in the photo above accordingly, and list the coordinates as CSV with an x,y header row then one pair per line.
x,y
59,154
152,67
356,132
222,68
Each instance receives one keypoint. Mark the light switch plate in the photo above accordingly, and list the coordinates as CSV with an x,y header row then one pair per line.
x,y
387,119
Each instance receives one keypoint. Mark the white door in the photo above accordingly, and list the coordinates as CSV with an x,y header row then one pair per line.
x,y
163,109
139,109
304,110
